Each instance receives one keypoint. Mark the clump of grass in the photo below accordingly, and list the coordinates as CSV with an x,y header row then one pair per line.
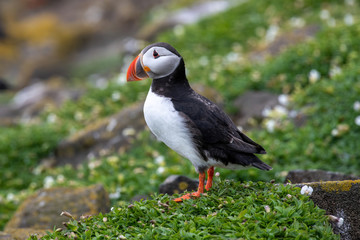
x,y
230,210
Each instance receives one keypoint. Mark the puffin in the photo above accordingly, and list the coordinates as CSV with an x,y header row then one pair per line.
x,y
186,121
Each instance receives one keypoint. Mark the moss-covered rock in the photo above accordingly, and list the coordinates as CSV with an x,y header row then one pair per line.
x,y
341,200
42,210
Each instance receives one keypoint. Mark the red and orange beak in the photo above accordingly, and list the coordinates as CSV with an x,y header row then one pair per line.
x,y
136,71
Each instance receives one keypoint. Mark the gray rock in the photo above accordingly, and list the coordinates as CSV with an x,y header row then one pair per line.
x,y
178,184
305,176
109,135
22,234
42,210
251,104
33,99
340,199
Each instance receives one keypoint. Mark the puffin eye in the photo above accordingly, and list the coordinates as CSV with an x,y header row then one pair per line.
x,y
156,54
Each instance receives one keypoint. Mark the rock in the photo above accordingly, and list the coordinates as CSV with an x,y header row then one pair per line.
x,y
106,136
32,100
186,15
178,184
340,199
305,176
251,104
42,210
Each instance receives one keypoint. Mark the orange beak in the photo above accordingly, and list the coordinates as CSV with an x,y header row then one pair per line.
x,y
135,71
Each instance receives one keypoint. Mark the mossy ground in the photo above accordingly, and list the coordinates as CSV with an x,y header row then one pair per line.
x,y
319,77
229,211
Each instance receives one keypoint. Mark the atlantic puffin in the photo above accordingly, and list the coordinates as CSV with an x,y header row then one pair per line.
x,y
186,121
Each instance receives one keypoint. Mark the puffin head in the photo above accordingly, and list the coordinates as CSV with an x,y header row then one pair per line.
x,y
155,61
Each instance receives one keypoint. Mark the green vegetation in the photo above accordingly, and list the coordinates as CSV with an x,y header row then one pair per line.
x,y
320,78
230,211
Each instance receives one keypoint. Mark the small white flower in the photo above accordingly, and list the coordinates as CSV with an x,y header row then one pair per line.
x,y
48,181
357,120
357,106
116,96
94,164
217,174
160,159
232,57
10,197
266,112
267,208
116,194
60,178
160,170
314,75
340,222
271,33
283,99
297,22
324,14
203,60
121,79
335,132
101,83
270,125
51,118
128,132
334,71
280,111
306,190
79,116
179,30
349,19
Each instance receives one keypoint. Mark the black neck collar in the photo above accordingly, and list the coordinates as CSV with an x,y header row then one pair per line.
x,y
173,85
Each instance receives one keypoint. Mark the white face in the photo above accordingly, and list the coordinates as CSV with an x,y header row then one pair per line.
x,y
159,62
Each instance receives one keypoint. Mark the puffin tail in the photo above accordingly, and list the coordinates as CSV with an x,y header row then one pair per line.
x,y
261,165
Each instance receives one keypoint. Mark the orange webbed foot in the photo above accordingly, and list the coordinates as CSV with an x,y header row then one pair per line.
x,y
194,194
188,196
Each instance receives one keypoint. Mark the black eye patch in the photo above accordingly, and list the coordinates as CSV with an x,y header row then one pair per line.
x,y
156,54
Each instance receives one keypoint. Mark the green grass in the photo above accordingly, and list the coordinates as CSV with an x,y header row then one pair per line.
x,y
229,211
216,52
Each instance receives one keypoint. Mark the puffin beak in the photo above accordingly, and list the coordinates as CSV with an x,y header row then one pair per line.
x,y
135,71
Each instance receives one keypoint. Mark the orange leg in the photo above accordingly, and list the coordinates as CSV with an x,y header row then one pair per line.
x,y
210,173
194,194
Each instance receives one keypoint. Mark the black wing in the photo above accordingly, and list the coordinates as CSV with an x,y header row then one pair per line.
x,y
212,128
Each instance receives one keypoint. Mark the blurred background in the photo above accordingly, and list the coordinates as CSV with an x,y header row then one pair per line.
x,y
287,73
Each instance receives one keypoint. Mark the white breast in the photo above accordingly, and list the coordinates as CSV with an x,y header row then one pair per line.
x,y
169,127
